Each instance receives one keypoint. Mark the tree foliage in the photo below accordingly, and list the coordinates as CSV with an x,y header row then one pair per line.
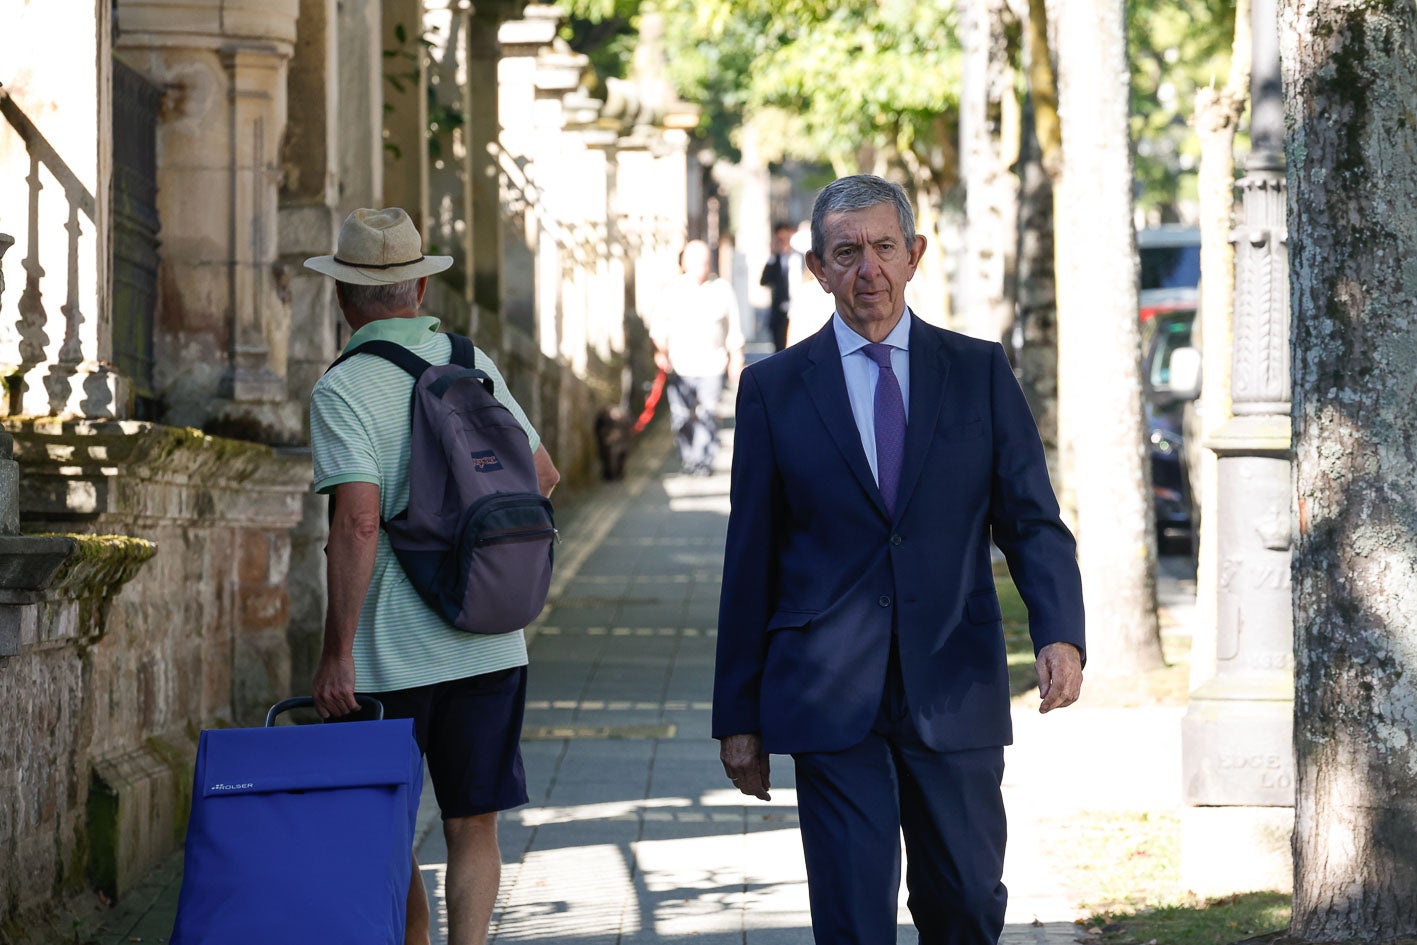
x,y
1175,48
821,79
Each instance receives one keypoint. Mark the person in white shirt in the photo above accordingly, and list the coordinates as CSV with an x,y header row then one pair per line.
x,y
697,341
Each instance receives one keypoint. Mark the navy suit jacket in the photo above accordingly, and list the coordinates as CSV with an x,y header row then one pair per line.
x,y
815,571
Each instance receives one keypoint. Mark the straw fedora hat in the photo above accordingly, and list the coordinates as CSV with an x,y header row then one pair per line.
x,y
378,247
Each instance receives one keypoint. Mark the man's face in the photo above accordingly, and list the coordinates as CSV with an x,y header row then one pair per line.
x,y
781,240
865,266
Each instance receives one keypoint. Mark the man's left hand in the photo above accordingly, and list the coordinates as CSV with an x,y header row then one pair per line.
x,y
1059,675
746,764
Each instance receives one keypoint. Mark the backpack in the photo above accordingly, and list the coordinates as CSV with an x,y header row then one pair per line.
x,y
476,539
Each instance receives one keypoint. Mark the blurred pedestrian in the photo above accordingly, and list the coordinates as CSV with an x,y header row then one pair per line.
x,y
697,340
781,274
859,629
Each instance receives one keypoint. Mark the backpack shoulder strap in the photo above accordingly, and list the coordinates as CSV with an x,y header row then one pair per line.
x,y
394,353
464,354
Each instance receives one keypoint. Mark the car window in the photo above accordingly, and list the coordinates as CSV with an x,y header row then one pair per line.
x,y
1170,267
1170,336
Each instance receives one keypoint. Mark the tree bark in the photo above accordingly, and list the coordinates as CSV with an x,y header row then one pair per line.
x,y
1099,394
1350,76
1043,88
1035,292
988,145
1036,328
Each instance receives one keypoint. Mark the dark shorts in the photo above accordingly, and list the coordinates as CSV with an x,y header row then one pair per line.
x,y
470,731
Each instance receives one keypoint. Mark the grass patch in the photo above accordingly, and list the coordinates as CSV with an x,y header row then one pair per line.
x,y
1201,922
1123,867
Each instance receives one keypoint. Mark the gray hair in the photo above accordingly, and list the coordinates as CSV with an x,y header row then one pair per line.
x,y
380,299
859,192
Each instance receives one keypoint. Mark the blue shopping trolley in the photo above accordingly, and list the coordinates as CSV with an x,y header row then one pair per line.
x,y
301,834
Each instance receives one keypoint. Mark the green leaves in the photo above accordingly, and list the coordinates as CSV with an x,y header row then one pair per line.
x,y
825,78
1175,48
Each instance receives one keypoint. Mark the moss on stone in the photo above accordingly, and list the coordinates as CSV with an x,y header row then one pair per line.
x,y
102,565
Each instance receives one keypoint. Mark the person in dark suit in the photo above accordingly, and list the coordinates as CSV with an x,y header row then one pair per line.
x,y
859,628
779,275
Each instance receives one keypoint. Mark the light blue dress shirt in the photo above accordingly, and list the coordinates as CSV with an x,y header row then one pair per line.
x,y
861,374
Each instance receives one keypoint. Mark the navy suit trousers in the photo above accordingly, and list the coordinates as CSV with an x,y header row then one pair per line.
x,y
854,806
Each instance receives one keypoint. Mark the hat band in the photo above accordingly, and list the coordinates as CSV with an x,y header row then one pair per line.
x,y
356,265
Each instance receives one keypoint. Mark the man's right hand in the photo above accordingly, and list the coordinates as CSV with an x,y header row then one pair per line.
x,y
333,687
746,764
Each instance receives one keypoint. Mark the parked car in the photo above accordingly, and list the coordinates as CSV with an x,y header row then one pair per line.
x,y
1171,384
1169,280
1170,269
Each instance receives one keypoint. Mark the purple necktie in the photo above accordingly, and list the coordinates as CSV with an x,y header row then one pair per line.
x,y
890,425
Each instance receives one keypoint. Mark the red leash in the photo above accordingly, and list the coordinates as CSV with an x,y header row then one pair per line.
x,y
651,402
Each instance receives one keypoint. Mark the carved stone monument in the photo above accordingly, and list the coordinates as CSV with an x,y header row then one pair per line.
x,y
1237,754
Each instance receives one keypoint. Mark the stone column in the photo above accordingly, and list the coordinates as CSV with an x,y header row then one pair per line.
x,y
360,156
526,139
55,187
558,77
405,103
1237,743
309,226
445,24
222,331
309,218
484,206
753,236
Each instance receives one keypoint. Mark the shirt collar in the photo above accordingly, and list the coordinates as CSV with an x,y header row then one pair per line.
x,y
409,332
849,342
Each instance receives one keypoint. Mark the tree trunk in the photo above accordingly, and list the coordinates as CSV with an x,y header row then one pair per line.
x,y
1040,165
1350,74
988,145
1099,393
1036,328
1217,117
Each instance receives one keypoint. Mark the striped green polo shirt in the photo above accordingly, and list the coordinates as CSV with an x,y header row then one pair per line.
x,y
359,432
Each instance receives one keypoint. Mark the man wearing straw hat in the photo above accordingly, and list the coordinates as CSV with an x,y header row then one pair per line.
x,y
465,692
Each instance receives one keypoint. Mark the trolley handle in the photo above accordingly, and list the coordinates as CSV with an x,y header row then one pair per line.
x,y
301,702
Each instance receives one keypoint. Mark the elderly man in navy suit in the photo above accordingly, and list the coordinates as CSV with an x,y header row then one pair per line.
x,y
859,628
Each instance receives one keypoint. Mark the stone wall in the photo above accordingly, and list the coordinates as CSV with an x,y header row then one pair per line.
x,y
108,690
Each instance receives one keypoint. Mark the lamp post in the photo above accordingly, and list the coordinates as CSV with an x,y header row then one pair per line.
x,y
1237,753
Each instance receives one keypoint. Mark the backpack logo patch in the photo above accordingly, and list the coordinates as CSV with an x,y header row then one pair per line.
x,y
485,461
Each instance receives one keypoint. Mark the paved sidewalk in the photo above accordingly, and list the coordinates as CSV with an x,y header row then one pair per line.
x,y
632,835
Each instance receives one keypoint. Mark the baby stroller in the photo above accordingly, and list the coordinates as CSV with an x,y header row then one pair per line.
x,y
301,834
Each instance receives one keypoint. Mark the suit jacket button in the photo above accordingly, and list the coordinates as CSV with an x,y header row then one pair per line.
x,y
896,539
884,601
